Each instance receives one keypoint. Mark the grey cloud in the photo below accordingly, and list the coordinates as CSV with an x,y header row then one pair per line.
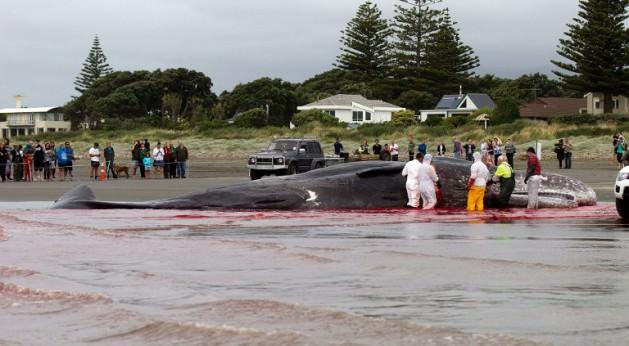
x,y
45,42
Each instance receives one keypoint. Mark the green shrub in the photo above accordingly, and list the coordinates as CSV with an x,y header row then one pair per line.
x,y
114,124
457,121
404,118
434,120
507,110
314,115
213,124
584,131
378,129
253,118
576,119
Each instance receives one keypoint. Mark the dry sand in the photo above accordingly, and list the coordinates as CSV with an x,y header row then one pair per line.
x,y
600,174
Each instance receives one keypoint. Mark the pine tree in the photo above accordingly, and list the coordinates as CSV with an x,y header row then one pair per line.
x,y
94,67
414,24
448,61
366,47
596,50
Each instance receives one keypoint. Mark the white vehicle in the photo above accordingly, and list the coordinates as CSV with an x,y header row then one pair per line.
x,y
622,193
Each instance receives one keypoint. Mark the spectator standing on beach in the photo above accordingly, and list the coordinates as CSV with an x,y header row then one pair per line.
x,y
377,148
147,162
70,162
615,142
560,151
338,147
620,150
110,156
9,149
4,158
18,163
421,148
497,144
182,158
385,154
469,149
158,158
457,148
136,157
28,161
94,154
62,159
47,159
167,160
411,148
510,151
173,162
395,151
441,149
53,159
567,146
38,160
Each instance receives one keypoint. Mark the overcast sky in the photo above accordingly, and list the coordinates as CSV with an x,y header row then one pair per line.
x,y
45,42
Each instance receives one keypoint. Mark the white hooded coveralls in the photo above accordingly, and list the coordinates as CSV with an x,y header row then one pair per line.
x,y
411,172
427,178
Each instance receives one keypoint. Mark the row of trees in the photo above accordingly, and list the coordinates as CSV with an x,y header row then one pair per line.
x,y
410,60
419,50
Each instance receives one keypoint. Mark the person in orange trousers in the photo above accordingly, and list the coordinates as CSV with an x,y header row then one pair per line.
x,y
477,184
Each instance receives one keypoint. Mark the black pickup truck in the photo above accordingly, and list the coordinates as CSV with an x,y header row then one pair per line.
x,y
289,156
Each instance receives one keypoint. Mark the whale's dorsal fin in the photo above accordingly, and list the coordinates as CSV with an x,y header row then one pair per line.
x,y
381,170
72,198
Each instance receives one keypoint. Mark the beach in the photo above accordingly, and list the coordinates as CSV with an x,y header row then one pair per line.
x,y
599,174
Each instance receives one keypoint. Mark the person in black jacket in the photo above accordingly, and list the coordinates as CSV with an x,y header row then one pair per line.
x,y
560,151
4,158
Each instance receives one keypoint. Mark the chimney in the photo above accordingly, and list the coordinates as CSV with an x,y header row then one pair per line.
x,y
460,90
18,101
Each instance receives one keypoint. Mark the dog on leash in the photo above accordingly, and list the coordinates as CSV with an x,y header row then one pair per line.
x,y
119,169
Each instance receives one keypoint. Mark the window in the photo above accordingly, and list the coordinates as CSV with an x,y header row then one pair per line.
x,y
51,129
313,148
61,129
464,104
40,130
357,116
367,116
616,103
332,113
597,104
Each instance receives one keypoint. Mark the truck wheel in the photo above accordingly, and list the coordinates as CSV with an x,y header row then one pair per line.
x,y
622,207
292,169
318,165
254,175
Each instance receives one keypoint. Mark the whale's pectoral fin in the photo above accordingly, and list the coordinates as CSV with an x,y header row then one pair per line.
x,y
75,198
379,171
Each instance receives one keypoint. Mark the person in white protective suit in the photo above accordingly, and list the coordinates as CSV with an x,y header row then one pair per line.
x,y
411,172
427,180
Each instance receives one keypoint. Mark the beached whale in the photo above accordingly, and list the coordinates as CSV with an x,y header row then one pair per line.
x,y
358,185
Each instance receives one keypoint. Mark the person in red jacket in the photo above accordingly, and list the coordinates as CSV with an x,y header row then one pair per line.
x,y
533,178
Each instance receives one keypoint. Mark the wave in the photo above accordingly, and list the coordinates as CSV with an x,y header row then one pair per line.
x,y
168,332
16,271
320,326
14,292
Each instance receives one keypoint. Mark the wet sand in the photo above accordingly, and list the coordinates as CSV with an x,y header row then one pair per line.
x,y
600,175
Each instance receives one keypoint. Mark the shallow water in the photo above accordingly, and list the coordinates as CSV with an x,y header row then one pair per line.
x,y
378,277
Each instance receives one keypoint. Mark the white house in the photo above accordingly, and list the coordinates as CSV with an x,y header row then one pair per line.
x,y
354,109
23,121
455,105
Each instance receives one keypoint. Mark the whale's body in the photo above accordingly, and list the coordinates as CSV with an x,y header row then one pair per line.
x,y
358,185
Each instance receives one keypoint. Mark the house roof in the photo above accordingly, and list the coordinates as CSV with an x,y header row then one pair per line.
x,y
551,107
28,110
344,100
454,101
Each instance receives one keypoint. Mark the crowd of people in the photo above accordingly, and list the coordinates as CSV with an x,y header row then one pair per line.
x,y
490,150
45,161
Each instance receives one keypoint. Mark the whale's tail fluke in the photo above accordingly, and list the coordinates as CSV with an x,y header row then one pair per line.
x,y
75,198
